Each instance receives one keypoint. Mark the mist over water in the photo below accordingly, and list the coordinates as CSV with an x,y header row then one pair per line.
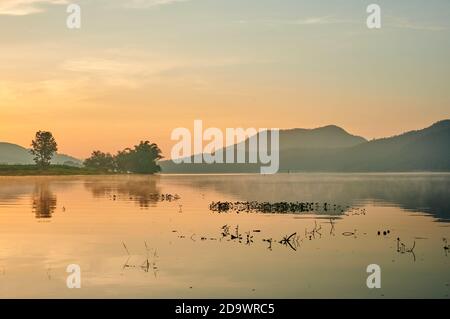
x,y
155,236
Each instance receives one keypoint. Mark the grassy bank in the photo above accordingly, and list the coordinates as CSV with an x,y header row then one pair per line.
x,y
33,170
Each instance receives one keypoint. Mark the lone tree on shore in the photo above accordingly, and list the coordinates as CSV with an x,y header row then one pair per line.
x,y
43,148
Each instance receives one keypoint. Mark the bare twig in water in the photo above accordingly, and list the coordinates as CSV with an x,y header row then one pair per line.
x,y
269,240
249,238
401,248
126,265
446,246
49,276
287,241
312,234
145,265
125,246
332,227
238,236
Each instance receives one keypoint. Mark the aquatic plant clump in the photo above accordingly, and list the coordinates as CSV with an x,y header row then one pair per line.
x,y
276,208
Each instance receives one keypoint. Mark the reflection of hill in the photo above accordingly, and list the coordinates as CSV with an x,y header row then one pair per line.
x,y
428,193
140,189
44,201
14,189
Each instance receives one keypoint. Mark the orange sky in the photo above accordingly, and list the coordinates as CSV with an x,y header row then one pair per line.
x,y
122,78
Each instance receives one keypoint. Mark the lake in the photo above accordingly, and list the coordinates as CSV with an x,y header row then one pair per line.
x,y
271,236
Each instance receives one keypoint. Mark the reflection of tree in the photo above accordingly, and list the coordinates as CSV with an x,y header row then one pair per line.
x,y
44,201
140,189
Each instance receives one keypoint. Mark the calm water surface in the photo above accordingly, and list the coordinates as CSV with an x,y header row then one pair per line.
x,y
153,237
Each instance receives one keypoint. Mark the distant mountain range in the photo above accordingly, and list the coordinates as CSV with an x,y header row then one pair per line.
x,y
332,149
15,154
324,149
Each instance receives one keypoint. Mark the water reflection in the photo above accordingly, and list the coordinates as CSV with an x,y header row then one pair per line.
x,y
43,200
142,190
427,193
11,190
280,245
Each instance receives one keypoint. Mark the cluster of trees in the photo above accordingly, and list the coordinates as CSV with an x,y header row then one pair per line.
x,y
142,159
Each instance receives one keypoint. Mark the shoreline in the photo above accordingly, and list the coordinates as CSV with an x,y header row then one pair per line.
x,y
80,174
52,170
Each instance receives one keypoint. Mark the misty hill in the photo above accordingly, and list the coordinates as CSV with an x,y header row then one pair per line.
x,y
327,138
330,136
15,154
331,149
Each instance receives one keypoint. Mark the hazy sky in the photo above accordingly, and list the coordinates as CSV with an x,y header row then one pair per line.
x,y
137,69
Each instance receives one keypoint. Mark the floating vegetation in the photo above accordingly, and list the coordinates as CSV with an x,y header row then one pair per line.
x,y
167,197
350,233
357,211
154,197
225,230
282,207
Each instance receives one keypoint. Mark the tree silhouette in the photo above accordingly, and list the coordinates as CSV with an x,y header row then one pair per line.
x,y
124,160
142,159
101,161
43,148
